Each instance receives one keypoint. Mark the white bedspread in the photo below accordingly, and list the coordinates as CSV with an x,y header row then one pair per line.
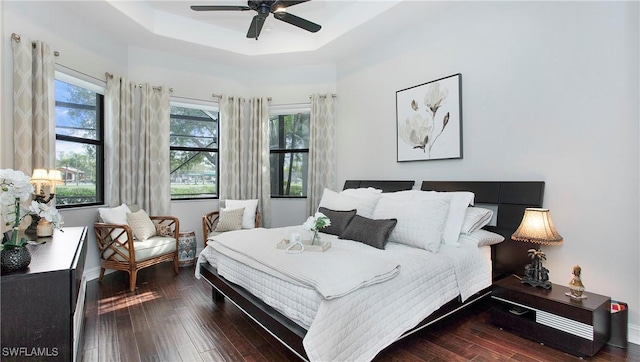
x,y
359,325
333,273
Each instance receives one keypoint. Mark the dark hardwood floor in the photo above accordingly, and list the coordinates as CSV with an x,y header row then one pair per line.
x,y
172,318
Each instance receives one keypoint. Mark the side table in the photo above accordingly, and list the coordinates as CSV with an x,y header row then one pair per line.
x,y
186,248
579,327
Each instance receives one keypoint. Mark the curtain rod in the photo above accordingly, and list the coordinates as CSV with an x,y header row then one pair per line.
x,y
324,96
220,96
16,37
156,87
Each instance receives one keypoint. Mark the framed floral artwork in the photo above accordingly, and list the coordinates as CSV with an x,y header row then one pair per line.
x,y
429,120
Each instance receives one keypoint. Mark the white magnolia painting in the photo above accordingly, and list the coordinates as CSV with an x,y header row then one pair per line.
x,y
429,120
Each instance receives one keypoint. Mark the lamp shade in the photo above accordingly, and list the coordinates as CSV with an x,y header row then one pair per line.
x,y
40,175
56,177
537,227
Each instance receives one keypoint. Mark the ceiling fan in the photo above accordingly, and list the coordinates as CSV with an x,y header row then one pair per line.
x,y
277,7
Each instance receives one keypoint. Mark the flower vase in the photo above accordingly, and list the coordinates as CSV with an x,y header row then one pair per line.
x,y
44,228
15,258
316,238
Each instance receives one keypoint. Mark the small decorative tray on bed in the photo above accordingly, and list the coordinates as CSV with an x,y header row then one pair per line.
x,y
285,244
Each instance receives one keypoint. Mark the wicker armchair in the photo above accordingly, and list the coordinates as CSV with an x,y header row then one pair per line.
x,y
210,220
119,251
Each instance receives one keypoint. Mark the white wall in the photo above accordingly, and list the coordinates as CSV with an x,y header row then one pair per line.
x,y
549,92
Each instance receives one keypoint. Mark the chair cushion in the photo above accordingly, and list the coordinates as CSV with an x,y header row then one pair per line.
x,y
141,225
152,247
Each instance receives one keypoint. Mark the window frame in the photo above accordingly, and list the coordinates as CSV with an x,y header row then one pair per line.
x,y
285,110
203,106
80,81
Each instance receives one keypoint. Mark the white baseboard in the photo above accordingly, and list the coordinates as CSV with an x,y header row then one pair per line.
x,y
94,273
634,334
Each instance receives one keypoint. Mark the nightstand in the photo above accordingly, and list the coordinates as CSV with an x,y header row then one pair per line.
x,y
579,327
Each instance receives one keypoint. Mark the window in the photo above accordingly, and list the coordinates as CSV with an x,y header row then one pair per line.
x,y
79,141
194,151
289,155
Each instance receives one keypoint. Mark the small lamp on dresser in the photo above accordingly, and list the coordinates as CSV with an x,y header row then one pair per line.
x,y
536,227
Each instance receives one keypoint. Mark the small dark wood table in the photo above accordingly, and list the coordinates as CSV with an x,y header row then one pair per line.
x,y
579,327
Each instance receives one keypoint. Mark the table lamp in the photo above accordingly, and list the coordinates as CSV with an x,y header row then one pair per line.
x,y
42,178
536,227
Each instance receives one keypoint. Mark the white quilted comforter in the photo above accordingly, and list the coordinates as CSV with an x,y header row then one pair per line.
x,y
357,326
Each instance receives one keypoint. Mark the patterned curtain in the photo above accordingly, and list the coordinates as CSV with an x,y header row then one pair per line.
x,y
231,118
322,155
33,105
120,141
153,191
256,173
137,147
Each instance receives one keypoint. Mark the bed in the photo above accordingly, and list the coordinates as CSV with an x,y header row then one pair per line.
x,y
309,334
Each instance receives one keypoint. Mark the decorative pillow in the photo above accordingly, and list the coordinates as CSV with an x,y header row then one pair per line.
x,y
475,218
141,225
458,203
368,231
361,192
115,215
250,207
420,222
163,230
230,219
364,204
339,220
481,237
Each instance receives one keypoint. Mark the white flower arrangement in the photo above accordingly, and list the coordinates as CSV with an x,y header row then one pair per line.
x,y
48,213
317,222
14,189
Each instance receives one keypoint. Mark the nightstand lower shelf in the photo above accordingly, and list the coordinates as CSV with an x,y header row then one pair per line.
x,y
580,328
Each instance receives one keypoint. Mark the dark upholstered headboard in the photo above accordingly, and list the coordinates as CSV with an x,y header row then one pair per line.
x,y
384,185
511,198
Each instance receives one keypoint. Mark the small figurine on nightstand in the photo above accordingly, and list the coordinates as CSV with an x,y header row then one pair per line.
x,y
575,285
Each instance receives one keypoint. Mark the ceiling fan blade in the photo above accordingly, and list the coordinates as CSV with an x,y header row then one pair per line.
x,y
256,26
219,8
291,3
297,21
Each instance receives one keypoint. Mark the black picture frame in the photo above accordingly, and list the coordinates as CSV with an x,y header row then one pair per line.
x,y
429,120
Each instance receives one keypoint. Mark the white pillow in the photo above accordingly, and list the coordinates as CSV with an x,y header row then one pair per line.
x,y
363,203
458,203
420,222
249,216
141,225
361,192
115,215
475,218
481,237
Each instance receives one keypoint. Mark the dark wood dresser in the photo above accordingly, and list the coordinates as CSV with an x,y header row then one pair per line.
x,y
43,305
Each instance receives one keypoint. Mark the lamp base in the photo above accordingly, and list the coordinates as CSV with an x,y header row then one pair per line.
x,y
537,283
536,275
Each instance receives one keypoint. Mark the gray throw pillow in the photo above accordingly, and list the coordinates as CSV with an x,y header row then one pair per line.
x,y
369,231
339,220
